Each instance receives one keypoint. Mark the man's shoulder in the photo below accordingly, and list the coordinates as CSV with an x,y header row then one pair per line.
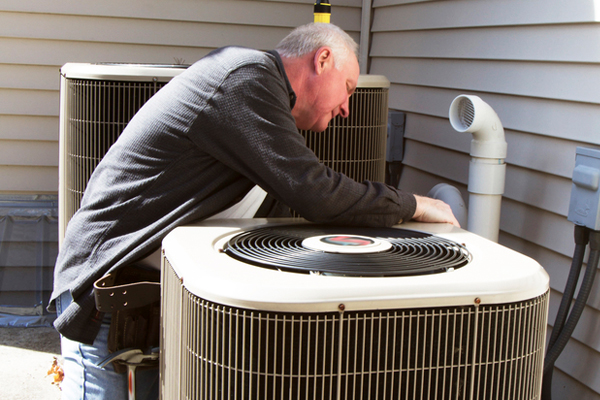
x,y
236,57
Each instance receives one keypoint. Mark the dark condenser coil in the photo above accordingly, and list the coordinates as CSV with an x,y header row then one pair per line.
x,y
355,146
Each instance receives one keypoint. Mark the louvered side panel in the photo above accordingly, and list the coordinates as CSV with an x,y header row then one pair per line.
x,y
450,353
488,352
510,350
230,353
355,146
407,354
96,114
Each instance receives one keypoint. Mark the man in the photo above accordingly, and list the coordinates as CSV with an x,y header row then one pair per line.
x,y
198,147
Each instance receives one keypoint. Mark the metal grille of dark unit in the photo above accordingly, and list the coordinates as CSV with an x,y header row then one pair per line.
x,y
99,111
355,146
412,252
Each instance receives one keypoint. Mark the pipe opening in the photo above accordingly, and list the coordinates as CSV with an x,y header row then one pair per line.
x,y
466,112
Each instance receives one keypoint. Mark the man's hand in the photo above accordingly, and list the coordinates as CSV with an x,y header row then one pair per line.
x,y
432,210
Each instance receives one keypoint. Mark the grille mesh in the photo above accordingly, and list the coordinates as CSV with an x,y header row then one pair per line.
x,y
412,253
466,112
355,146
97,113
485,352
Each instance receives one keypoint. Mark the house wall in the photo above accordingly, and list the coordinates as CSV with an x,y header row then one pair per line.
x,y
537,64
36,38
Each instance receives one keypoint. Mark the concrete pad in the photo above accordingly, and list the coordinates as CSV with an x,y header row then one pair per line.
x,y
26,356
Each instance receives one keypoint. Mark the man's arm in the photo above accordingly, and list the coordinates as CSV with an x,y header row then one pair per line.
x,y
432,210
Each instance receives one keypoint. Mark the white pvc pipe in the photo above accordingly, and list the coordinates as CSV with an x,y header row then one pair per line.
x,y
487,169
486,186
365,36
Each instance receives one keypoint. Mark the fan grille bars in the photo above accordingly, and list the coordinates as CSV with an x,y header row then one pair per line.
x,y
411,252
97,113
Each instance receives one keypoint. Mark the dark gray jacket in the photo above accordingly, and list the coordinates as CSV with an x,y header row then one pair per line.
x,y
195,148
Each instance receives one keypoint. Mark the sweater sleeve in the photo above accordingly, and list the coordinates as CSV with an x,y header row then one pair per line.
x,y
247,125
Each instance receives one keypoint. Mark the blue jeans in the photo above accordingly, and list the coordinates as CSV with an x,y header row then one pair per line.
x,y
85,380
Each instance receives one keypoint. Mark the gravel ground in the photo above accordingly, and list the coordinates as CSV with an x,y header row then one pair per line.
x,y
26,356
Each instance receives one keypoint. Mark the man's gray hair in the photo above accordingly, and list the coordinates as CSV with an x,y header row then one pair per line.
x,y
308,38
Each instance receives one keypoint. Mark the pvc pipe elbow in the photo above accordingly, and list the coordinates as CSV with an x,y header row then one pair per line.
x,y
471,114
451,196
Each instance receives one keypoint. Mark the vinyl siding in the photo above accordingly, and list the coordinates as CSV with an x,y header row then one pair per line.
x,y
38,37
537,64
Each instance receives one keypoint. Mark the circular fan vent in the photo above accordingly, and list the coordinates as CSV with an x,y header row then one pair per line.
x,y
347,251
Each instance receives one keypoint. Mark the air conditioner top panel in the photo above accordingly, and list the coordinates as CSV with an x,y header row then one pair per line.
x,y
372,81
163,73
122,72
495,275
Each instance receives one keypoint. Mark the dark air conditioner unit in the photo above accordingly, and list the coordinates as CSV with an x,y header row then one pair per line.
x,y
98,100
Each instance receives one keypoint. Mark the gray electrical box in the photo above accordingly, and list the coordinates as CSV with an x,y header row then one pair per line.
x,y
585,192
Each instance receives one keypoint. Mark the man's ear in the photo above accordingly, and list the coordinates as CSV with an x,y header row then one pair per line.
x,y
323,59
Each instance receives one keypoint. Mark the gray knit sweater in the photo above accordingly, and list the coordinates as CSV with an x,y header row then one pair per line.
x,y
195,148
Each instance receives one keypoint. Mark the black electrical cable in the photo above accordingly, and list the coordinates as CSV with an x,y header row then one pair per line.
x,y
568,328
582,296
581,236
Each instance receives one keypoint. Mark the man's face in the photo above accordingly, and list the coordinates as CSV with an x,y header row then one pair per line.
x,y
327,93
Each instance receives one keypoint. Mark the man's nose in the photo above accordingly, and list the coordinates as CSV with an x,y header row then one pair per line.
x,y
345,108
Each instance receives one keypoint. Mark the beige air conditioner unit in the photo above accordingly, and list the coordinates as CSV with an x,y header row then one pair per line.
x,y
283,309
98,100
96,103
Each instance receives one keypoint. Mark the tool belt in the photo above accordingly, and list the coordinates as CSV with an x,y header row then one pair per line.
x,y
132,295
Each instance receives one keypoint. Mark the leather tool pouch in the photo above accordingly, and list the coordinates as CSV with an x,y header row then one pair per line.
x,y
132,295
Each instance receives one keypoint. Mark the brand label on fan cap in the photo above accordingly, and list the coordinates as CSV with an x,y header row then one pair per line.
x,y
346,244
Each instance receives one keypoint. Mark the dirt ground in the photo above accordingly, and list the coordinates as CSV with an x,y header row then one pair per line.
x,y
26,357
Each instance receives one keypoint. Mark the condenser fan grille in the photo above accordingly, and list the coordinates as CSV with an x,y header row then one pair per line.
x,y
410,253
355,146
97,114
